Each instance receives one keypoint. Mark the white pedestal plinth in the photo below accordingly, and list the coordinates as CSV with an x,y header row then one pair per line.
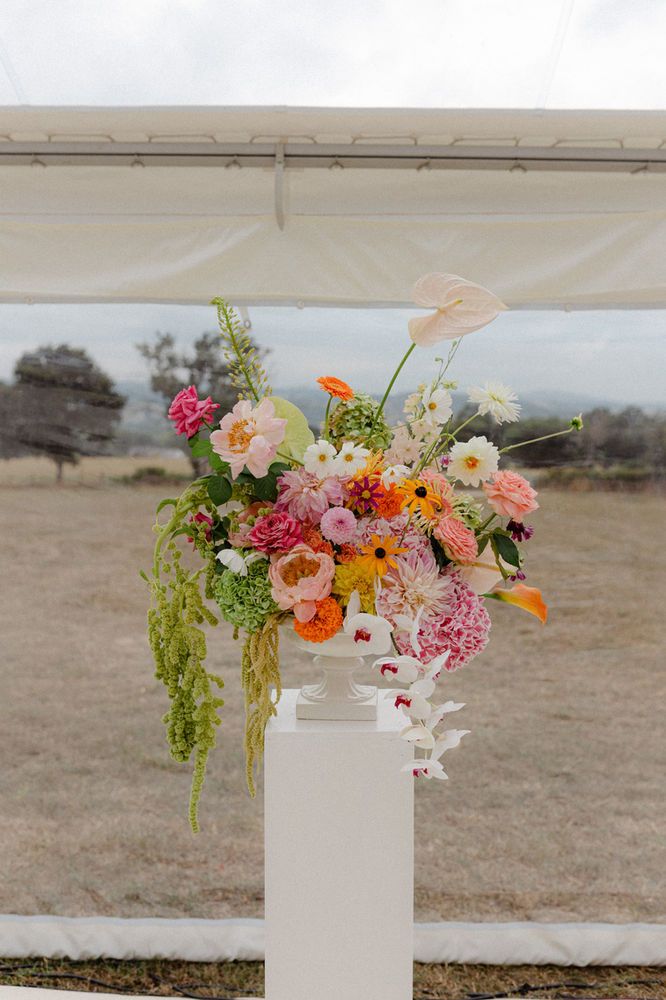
x,y
339,858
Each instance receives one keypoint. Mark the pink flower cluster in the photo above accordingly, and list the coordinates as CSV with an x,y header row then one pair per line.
x,y
457,540
306,497
275,532
300,579
462,630
510,495
189,413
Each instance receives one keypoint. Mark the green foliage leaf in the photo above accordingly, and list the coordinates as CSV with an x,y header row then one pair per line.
x,y
505,548
298,435
201,447
219,489
265,488
217,463
169,502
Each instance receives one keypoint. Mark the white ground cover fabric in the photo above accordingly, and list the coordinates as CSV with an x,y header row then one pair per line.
x,y
243,940
351,236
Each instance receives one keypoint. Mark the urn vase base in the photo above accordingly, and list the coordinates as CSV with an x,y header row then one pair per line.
x,y
360,707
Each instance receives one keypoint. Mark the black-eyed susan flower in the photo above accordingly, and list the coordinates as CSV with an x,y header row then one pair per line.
x,y
419,497
378,555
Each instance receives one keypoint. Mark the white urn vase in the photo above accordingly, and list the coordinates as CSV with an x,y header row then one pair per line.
x,y
336,696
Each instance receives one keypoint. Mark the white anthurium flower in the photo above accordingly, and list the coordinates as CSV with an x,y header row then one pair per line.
x,y
237,562
320,458
371,633
350,458
426,768
473,461
437,406
496,399
394,474
460,308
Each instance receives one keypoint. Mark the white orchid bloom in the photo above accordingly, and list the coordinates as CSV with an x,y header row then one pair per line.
x,y
460,308
426,768
371,633
411,625
422,735
449,740
405,669
236,561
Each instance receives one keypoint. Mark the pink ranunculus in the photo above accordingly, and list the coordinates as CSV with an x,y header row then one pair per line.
x,y
457,540
300,579
189,413
275,532
510,495
306,497
338,525
249,437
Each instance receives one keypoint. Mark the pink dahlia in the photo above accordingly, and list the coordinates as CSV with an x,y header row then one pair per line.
x,y
306,497
275,532
414,584
189,413
510,495
457,540
338,525
462,629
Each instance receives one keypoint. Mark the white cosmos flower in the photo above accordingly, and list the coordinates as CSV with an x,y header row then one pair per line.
x,y
351,458
473,461
437,404
496,399
320,458
394,474
236,561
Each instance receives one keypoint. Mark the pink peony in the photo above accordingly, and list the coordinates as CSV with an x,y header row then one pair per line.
x,y
338,525
462,630
300,579
457,540
306,497
249,437
189,413
510,495
276,532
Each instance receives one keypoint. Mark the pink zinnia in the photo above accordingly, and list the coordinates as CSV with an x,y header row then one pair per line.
x,y
510,495
338,525
457,540
189,413
276,532
306,497
462,630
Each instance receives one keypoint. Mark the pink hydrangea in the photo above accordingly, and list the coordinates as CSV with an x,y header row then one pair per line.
x,y
300,579
338,525
510,495
189,413
275,532
306,497
457,540
463,629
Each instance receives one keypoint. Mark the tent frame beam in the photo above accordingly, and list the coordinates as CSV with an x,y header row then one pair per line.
x,y
333,156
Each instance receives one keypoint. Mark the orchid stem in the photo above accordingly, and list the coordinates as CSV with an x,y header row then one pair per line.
x,y
545,437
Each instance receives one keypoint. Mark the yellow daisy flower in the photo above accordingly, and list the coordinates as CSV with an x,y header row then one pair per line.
x,y
378,555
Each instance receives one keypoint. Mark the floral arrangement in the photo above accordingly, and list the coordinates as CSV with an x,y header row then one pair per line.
x,y
396,535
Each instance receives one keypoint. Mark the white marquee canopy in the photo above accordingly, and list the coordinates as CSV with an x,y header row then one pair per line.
x,y
331,206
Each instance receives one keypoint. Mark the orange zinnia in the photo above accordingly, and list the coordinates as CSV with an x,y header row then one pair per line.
x,y
378,555
326,622
336,387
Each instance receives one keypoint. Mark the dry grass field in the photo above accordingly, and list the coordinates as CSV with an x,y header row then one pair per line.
x,y
555,809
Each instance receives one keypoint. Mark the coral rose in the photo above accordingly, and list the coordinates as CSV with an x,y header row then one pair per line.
x,y
510,495
276,532
300,579
189,413
457,540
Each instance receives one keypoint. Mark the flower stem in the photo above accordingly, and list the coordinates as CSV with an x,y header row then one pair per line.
x,y
545,437
326,416
388,390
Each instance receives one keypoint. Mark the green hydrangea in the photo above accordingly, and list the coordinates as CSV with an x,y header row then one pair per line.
x,y
245,601
352,421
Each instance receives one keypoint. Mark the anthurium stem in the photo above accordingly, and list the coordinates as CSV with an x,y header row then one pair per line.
x,y
390,386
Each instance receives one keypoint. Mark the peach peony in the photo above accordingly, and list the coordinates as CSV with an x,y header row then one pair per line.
x,y
300,579
249,437
510,495
457,540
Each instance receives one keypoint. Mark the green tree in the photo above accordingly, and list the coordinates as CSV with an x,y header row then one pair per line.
x,y
62,405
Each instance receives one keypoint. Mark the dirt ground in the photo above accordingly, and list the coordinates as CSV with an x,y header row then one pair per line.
x,y
555,808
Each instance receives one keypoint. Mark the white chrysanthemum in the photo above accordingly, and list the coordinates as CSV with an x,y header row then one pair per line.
x,y
404,450
437,405
473,461
411,404
320,458
351,458
496,399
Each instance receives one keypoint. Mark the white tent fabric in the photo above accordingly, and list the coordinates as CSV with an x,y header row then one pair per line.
x,y
177,230
83,938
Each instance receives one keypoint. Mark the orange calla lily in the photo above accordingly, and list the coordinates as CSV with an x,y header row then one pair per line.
x,y
527,598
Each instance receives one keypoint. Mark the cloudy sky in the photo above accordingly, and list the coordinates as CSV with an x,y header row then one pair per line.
x,y
448,53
